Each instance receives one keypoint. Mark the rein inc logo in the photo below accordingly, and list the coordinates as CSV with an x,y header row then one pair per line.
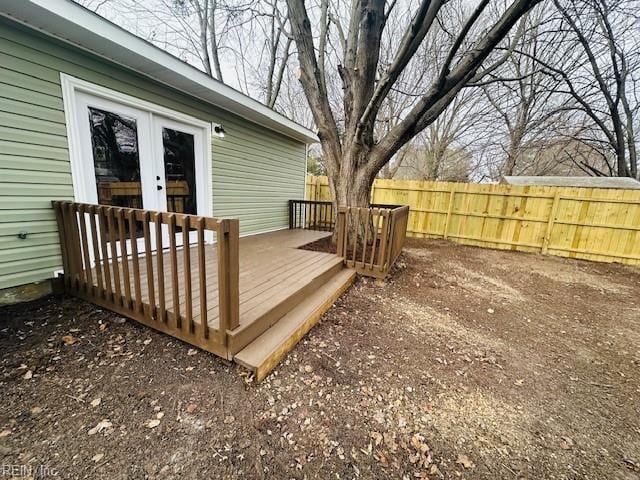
x,y
27,471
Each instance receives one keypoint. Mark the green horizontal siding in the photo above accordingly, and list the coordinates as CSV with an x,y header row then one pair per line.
x,y
255,170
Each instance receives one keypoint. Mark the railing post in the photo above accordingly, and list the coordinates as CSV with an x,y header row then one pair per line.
x,y
384,237
392,220
57,207
290,214
340,229
228,239
72,239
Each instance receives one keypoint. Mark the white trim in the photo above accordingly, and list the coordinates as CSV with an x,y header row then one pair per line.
x,y
71,89
73,24
77,84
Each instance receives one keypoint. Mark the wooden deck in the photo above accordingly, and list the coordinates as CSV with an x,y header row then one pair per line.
x,y
219,296
269,264
248,299
273,269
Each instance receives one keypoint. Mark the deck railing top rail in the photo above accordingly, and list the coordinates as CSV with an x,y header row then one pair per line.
x,y
151,266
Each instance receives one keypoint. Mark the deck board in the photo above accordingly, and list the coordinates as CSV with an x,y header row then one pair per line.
x,y
271,265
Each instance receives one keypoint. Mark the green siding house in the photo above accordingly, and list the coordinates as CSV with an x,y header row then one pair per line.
x,y
92,113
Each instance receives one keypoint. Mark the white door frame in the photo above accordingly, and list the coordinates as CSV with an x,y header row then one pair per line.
x,y
77,94
71,86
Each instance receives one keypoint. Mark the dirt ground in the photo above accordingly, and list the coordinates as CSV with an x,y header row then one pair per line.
x,y
467,363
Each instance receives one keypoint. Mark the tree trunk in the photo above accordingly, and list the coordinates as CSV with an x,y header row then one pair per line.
x,y
352,190
352,194
350,183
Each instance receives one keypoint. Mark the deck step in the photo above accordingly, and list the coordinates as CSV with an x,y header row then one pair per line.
x,y
257,315
265,352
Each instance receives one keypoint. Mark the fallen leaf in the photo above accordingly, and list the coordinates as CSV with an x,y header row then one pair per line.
x,y
490,310
519,383
147,341
5,433
103,327
417,441
192,351
191,408
152,423
102,425
465,462
69,339
368,450
28,375
308,368
95,402
566,443
229,419
159,415
96,458
36,410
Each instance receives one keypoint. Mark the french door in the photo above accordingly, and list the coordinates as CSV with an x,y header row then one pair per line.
x,y
134,157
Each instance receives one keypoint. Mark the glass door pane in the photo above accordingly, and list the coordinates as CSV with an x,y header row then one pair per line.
x,y
179,170
116,162
116,159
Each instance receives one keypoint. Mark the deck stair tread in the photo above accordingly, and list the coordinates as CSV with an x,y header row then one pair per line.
x,y
264,310
266,350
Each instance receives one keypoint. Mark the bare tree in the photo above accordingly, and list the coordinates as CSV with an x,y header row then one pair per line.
x,y
246,35
353,153
444,150
605,32
523,95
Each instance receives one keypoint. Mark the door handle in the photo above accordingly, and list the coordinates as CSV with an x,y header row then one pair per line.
x,y
159,187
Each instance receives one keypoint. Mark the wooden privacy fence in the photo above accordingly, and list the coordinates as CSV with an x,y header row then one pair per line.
x,y
587,223
143,264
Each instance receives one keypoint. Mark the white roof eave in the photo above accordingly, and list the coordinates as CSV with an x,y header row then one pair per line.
x,y
74,24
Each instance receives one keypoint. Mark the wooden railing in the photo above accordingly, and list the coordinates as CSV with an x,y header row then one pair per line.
x,y
136,262
371,239
311,215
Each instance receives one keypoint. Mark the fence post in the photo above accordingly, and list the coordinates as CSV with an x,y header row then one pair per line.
x,y
552,218
228,238
449,210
